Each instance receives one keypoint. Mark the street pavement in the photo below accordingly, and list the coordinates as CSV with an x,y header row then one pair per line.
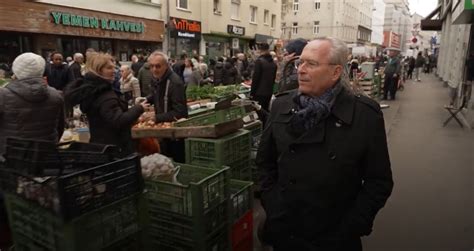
x,y
432,204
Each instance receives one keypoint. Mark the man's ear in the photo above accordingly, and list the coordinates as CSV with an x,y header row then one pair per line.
x,y
337,72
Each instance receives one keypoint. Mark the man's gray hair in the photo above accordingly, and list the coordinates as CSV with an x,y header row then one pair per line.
x,y
339,50
77,56
161,54
338,55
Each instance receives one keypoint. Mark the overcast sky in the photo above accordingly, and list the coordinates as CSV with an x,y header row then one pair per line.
x,y
422,7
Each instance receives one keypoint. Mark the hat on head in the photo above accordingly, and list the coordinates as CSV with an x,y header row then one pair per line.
x,y
28,65
296,46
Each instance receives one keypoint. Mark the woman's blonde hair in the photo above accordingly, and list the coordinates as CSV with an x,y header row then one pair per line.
x,y
97,61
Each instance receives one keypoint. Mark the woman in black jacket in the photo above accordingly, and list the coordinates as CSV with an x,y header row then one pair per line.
x,y
109,118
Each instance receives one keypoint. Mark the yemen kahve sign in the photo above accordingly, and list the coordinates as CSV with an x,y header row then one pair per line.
x,y
68,19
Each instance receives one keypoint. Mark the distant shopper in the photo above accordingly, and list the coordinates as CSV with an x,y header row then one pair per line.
x,y
289,73
392,75
129,85
75,70
419,62
263,77
57,72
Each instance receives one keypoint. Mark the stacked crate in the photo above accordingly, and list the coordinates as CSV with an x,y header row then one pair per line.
x,y
192,214
232,150
256,130
241,215
78,198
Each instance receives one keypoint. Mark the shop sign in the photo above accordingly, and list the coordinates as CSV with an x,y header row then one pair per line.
x,y
236,30
68,19
185,28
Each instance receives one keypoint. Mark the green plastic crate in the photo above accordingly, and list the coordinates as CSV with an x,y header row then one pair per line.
x,y
215,117
241,198
241,169
191,211
218,152
256,129
36,228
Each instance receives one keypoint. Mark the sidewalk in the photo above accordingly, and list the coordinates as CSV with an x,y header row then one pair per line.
x,y
432,204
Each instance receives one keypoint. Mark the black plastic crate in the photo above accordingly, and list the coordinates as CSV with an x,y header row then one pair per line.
x,y
35,228
37,157
219,241
73,194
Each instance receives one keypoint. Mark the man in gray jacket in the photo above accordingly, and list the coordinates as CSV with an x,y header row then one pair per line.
x,y
392,75
29,108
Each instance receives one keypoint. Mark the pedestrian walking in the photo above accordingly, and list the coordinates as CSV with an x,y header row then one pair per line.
x,y
75,70
137,64
219,72
419,66
289,74
411,67
392,75
145,79
263,77
323,157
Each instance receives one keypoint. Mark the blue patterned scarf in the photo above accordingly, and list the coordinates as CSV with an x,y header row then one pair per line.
x,y
313,110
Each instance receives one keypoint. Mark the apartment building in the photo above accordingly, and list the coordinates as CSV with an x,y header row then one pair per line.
x,y
226,27
350,21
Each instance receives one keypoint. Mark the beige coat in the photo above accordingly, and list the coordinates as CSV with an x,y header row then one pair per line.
x,y
130,84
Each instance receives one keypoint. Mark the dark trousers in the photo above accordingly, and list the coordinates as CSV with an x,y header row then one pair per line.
x,y
264,101
390,86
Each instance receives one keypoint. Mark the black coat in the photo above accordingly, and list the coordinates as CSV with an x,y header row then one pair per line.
x,y
137,66
323,190
177,107
264,76
74,72
219,73
110,120
231,76
57,76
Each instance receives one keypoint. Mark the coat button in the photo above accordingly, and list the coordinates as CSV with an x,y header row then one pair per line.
x,y
332,155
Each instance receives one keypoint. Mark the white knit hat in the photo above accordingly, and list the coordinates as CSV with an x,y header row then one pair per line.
x,y
28,65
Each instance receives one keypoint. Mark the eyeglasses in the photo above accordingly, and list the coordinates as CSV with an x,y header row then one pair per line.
x,y
311,64
155,65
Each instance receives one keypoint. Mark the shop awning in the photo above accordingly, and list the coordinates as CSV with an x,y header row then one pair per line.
x,y
430,24
259,38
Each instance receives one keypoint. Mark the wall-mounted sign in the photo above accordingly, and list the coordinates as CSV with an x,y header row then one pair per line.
x,y
68,19
184,28
236,30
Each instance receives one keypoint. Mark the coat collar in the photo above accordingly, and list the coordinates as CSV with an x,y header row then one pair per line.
x,y
344,106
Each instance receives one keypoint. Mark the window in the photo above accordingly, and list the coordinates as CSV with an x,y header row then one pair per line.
x,y
253,14
217,6
296,5
274,17
294,29
317,4
266,16
182,4
235,11
283,28
316,27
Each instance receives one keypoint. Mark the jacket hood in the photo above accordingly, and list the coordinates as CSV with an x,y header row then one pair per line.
x,y
85,91
33,90
267,57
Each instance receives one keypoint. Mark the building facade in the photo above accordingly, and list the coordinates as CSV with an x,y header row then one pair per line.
x,y
67,27
350,21
398,21
225,27
378,20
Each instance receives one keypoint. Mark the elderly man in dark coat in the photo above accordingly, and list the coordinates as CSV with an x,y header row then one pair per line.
x,y
324,159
